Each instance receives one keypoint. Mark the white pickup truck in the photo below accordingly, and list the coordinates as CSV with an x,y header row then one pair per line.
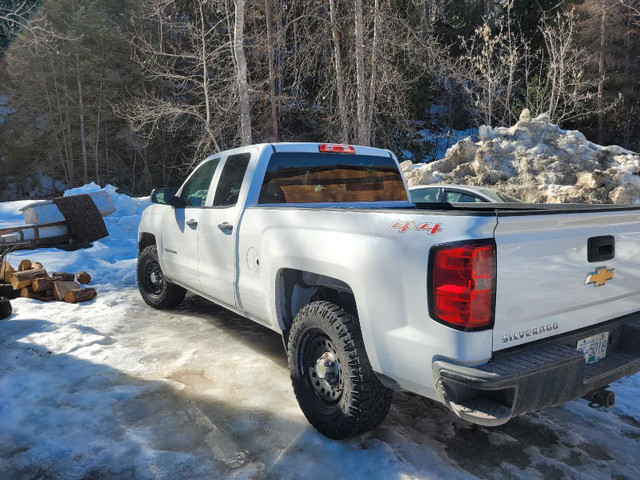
x,y
494,310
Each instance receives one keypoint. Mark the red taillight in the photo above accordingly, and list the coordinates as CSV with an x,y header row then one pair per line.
x,y
463,283
335,148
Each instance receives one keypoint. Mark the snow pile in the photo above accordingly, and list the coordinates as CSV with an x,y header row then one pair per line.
x,y
111,262
536,161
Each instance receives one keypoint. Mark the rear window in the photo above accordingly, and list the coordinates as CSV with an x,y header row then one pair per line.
x,y
331,177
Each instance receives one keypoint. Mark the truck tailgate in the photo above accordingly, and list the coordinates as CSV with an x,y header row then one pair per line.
x,y
546,284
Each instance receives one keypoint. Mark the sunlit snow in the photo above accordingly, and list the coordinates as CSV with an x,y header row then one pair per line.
x,y
115,389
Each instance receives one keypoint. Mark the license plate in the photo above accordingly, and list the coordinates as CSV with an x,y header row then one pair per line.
x,y
594,348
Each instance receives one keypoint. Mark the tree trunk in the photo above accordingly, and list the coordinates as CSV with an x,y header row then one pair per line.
x,y
373,80
600,99
52,120
361,89
272,73
66,93
98,119
83,141
280,48
337,57
241,73
205,81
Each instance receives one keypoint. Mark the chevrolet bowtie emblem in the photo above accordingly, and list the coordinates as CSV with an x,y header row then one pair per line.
x,y
599,277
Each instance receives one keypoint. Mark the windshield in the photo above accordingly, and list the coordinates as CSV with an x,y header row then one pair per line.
x,y
498,196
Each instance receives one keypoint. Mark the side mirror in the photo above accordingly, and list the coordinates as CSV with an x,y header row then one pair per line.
x,y
166,196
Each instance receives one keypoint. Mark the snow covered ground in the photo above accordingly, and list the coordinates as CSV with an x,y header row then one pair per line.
x,y
115,389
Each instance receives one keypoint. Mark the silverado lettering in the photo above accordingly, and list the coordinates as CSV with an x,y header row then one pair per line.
x,y
529,333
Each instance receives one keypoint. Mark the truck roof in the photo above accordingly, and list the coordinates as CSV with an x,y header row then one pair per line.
x,y
313,147
307,147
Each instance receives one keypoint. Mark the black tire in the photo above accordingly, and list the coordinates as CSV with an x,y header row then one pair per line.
x,y
5,308
155,289
354,401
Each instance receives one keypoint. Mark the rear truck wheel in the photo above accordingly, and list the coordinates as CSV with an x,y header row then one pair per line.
x,y
155,289
332,378
5,308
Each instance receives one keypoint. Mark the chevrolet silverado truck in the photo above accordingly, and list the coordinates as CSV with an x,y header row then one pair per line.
x,y
494,310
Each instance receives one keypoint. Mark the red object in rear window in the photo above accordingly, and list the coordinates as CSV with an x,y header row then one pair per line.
x,y
335,148
463,284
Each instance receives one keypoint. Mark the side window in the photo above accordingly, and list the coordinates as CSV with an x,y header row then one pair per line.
x,y
194,192
228,189
425,195
459,197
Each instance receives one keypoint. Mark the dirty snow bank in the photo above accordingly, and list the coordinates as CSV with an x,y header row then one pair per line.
x,y
537,161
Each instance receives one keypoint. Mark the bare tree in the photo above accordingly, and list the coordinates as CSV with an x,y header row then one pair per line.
x,y
483,69
188,58
241,72
24,17
560,86
339,74
271,53
361,88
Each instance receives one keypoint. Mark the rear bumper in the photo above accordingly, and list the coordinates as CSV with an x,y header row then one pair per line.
x,y
540,375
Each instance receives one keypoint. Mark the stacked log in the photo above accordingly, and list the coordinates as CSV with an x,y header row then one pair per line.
x,y
21,279
31,280
5,272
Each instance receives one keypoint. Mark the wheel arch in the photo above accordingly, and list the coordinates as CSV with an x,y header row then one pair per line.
x,y
146,239
296,288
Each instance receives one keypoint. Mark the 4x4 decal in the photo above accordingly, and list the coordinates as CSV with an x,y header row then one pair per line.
x,y
430,228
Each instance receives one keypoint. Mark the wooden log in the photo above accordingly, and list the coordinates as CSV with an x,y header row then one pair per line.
x,y
24,265
27,292
64,276
24,279
80,295
37,265
61,287
83,278
6,270
43,284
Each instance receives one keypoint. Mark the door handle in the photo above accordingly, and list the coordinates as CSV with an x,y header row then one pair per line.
x,y
601,248
225,227
192,223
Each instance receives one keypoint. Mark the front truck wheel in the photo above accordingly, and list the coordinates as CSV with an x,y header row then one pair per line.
x,y
155,289
332,378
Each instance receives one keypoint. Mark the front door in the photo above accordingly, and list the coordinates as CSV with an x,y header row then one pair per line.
x,y
217,232
180,228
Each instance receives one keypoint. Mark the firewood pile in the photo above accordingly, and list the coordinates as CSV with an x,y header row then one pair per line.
x,y
31,280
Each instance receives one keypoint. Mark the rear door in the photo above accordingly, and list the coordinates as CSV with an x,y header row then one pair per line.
x,y
217,231
547,281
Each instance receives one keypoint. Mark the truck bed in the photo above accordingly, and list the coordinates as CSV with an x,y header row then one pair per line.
x,y
510,209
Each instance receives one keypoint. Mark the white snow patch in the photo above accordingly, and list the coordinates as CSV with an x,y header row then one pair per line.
x,y
115,389
111,261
